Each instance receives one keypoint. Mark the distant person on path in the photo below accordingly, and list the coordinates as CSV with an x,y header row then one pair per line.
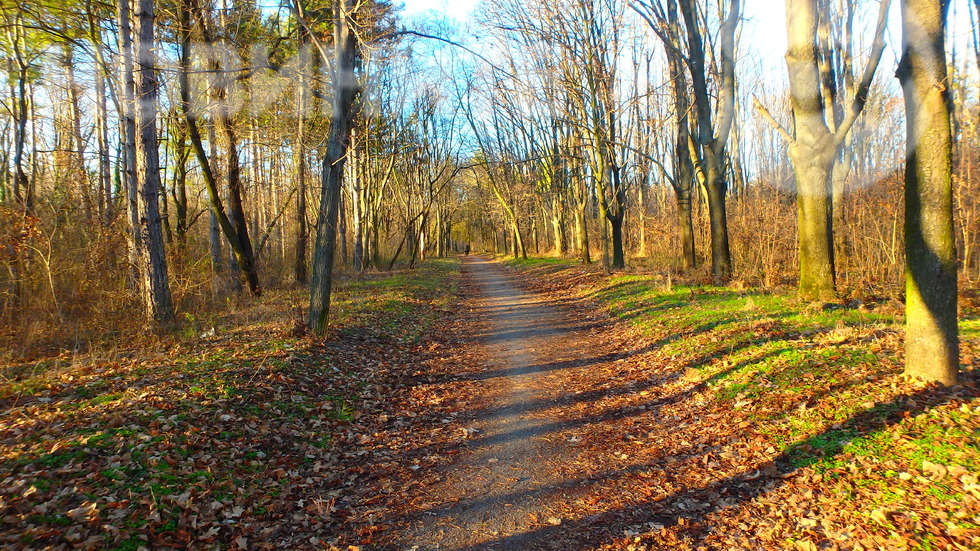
x,y
466,249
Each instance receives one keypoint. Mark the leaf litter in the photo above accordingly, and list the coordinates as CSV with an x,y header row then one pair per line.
x,y
770,433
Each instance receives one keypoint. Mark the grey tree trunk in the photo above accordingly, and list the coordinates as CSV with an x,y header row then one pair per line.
x,y
153,262
128,122
931,332
812,153
345,94
711,137
817,138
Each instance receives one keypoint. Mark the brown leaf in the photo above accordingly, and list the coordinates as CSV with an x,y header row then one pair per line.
x,y
85,513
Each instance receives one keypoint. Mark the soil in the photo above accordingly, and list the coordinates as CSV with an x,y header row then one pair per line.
x,y
512,486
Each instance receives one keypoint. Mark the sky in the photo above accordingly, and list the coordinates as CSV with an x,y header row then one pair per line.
x,y
764,21
457,9
763,24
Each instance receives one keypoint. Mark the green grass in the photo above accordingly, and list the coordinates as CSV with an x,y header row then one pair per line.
x,y
970,327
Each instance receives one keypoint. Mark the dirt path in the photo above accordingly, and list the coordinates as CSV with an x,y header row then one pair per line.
x,y
514,479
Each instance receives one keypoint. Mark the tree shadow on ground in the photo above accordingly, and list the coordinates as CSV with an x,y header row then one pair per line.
x,y
673,510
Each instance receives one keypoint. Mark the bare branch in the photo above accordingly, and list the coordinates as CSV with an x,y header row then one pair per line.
x,y
771,120
861,97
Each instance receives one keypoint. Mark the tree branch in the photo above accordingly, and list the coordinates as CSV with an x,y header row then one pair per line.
x,y
771,120
861,97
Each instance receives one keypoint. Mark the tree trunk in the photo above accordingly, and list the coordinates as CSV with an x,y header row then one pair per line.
x,y
302,233
558,224
721,258
582,232
685,219
931,333
244,255
102,136
299,157
812,152
181,153
342,229
127,116
345,93
711,139
233,227
683,182
817,138
156,286
618,250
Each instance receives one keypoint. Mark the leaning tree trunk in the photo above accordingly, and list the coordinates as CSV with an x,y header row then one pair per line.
x,y
345,93
234,230
153,262
931,339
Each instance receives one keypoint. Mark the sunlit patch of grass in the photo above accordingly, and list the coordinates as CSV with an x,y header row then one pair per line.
x,y
970,327
400,305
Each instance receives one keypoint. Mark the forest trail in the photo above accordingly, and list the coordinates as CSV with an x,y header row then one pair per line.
x,y
514,478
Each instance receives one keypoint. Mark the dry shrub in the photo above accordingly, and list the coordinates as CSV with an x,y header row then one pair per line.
x,y
869,235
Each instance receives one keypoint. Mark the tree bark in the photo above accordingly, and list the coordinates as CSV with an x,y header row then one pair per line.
x,y
345,95
153,265
817,138
931,332
128,122
299,154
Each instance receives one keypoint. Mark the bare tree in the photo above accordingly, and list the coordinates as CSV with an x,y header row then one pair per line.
x,y
712,129
344,97
819,132
663,20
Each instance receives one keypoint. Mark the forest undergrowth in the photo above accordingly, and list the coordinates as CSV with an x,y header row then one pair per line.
x,y
746,420
239,434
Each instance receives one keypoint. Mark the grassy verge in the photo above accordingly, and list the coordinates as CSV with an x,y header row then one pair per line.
x,y
820,387
211,440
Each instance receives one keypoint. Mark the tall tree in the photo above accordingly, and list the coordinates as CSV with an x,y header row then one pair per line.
x,y
712,129
931,332
819,132
232,222
345,91
299,148
153,261
665,23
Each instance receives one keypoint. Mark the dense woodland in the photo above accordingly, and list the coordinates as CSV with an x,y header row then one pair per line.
x,y
167,156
